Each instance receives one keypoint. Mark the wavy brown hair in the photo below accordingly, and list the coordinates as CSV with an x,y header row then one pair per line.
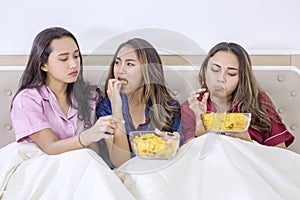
x,y
248,94
162,105
34,77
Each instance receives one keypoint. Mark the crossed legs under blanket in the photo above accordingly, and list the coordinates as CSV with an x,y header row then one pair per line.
x,y
28,173
216,167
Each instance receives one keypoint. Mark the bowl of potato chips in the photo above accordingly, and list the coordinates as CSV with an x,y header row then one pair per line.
x,y
226,122
154,145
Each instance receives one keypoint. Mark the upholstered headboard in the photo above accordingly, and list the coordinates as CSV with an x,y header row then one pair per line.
x,y
282,83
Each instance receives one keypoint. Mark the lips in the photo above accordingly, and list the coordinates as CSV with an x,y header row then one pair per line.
x,y
219,88
73,73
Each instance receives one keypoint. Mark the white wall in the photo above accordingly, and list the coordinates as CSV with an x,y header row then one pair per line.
x,y
261,26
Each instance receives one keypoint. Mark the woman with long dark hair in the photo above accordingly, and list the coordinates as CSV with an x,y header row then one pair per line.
x,y
229,85
53,117
137,96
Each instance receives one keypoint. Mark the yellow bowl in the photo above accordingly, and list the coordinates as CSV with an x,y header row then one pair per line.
x,y
226,122
150,145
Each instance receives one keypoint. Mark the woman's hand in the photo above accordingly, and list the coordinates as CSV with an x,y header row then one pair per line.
x,y
103,125
113,92
198,101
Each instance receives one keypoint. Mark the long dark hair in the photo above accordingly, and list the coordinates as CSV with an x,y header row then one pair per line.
x,y
34,77
247,96
162,105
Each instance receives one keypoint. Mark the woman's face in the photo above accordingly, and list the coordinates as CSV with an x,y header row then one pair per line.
x,y
127,69
63,65
222,74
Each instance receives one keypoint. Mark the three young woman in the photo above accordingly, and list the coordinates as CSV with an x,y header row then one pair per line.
x,y
53,115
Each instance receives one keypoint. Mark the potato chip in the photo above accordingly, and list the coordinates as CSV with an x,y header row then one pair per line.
x,y
232,122
151,145
123,81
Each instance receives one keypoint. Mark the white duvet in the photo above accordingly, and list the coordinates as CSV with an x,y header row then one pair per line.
x,y
28,173
213,167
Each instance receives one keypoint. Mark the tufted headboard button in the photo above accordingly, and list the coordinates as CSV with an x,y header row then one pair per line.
x,y
293,127
280,110
280,78
175,92
293,93
8,92
9,127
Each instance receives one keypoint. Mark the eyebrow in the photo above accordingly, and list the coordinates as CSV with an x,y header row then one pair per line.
x,y
230,68
118,58
65,54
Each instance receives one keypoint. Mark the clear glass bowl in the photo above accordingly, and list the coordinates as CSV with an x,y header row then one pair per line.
x,y
153,145
226,122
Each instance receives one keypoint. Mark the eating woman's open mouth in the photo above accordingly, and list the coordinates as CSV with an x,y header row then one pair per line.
x,y
123,81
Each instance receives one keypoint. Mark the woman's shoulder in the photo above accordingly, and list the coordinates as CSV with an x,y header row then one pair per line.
x,y
263,95
104,107
30,93
186,111
265,99
29,98
105,101
185,104
185,107
174,102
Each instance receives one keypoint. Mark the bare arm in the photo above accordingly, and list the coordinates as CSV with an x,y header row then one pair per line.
x,y
200,129
50,144
118,146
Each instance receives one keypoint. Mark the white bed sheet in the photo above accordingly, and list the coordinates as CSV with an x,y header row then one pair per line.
x,y
216,167
28,173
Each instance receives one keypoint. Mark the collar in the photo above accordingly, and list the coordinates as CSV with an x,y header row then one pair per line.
x,y
125,108
48,95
